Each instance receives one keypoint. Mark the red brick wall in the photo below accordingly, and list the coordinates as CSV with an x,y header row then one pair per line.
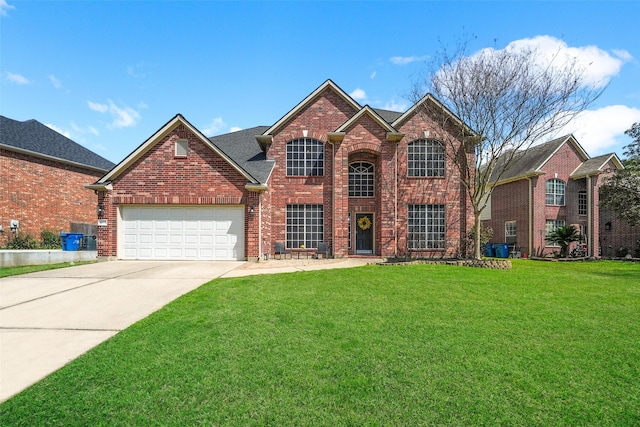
x,y
365,140
617,236
325,114
159,177
43,194
448,190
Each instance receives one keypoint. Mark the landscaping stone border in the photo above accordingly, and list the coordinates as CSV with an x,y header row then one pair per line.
x,y
494,264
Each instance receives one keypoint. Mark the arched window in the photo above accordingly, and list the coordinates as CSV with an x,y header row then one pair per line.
x,y
361,180
555,192
305,157
425,157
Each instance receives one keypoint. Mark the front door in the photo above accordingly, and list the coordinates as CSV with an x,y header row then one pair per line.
x,y
364,233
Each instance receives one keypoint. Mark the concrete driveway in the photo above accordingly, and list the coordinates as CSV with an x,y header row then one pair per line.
x,y
49,318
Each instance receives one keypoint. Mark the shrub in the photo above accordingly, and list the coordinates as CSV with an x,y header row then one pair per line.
x,y
50,240
22,241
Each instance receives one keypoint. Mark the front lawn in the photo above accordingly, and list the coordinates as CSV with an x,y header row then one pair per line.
x,y
542,344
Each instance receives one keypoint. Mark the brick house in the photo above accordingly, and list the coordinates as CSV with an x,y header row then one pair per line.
x,y
42,178
550,185
368,182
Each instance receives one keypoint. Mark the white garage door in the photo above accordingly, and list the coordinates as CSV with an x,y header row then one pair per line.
x,y
182,232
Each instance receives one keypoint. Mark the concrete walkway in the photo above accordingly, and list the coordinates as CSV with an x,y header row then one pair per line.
x,y
51,317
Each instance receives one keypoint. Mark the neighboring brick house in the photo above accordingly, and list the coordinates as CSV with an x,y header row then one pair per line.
x,y
550,185
42,178
367,182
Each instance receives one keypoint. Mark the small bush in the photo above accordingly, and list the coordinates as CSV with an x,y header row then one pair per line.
x,y
50,240
22,241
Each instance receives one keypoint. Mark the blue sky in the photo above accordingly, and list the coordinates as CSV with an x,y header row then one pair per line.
x,y
108,74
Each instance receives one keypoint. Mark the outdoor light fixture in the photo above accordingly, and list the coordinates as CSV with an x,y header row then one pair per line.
x,y
100,210
251,210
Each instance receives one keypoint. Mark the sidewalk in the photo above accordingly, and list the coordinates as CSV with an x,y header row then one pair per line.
x,y
274,266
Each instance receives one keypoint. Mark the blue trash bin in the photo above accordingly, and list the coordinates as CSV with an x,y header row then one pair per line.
x,y
502,250
71,241
489,250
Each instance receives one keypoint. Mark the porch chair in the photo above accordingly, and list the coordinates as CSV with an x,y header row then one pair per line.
x,y
323,248
280,249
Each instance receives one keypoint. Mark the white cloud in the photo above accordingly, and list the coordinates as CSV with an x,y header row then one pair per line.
x,y
404,60
598,65
59,130
16,78
358,95
373,75
395,105
101,108
234,129
601,131
122,116
214,127
55,81
4,7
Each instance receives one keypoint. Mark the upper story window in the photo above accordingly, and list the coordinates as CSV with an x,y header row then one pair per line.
x,y
305,157
582,202
361,180
182,148
425,157
555,192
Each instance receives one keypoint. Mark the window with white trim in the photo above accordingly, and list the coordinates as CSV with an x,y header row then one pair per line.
x,y
582,202
361,180
425,158
426,227
510,229
182,148
305,225
555,192
551,226
305,157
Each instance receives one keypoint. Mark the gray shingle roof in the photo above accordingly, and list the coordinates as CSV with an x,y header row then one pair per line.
x,y
243,148
34,137
387,115
592,166
529,161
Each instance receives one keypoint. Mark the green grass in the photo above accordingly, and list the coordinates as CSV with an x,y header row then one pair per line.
x,y
14,271
542,344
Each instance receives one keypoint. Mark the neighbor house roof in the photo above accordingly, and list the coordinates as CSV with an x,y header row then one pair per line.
x,y
531,161
596,165
33,138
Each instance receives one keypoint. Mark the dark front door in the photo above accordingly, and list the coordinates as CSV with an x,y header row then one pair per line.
x,y
364,233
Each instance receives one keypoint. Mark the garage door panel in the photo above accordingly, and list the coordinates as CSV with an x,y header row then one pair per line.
x,y
185,232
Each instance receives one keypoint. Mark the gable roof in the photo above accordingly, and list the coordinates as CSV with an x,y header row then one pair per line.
x,y
371,113
33,138
155,138
596,165
310,98
430,98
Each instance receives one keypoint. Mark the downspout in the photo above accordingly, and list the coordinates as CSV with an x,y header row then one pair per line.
x,y
395,213
333,198
259,225
530,233
590,208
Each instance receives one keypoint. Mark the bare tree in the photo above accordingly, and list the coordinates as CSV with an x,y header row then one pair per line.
x,y
499,103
